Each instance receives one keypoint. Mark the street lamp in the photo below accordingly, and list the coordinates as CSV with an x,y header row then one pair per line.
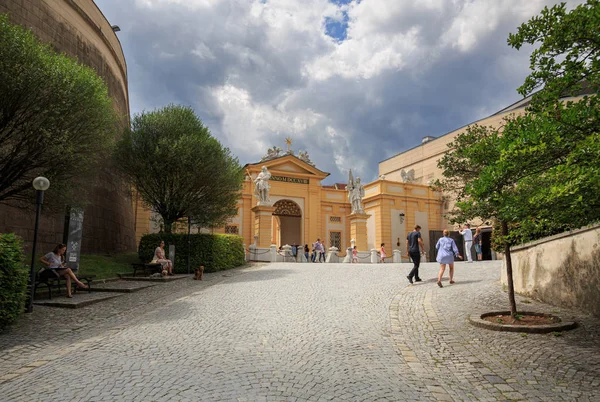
x,y
40,184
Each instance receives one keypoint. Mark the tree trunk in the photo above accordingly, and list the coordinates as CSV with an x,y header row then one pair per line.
x,y
168,225
509,273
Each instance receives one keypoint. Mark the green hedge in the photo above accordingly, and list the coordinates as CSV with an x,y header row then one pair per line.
x,y
13,279
215,251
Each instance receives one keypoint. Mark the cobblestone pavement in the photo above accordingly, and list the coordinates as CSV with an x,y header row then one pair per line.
x,y
299,332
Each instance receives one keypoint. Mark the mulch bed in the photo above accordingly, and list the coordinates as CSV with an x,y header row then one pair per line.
x,y
525,320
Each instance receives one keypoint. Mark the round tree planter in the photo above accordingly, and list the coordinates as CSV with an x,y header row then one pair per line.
x,y
479,321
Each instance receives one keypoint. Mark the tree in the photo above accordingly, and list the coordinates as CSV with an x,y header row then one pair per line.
x,y
178,168
56,118
559,140
471,174
540,172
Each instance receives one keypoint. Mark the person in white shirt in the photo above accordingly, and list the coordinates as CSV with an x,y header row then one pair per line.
x,y
468,237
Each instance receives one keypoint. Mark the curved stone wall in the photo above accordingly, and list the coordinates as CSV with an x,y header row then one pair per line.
x,y
78,29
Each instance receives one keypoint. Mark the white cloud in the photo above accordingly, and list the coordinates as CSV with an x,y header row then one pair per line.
x,y
248,125
258,71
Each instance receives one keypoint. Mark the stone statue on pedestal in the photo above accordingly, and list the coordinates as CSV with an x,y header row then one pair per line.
x,y
356,192
262,186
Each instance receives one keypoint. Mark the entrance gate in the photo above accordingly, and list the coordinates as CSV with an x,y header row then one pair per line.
x,y
289,217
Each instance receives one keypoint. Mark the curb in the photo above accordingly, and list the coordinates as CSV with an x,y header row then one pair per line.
x,y
478,321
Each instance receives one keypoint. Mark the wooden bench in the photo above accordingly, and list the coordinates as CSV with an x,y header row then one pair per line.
x,y
147,268
46,277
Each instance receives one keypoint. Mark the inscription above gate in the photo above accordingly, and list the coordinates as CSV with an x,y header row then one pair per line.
x,y
289,179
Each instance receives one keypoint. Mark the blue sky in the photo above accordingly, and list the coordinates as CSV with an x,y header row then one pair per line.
x,y
351,82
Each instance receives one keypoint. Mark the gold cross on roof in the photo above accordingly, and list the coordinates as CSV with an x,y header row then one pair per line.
x,y
288,141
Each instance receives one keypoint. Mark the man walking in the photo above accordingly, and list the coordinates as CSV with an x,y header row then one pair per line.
x,y
415,247
468,237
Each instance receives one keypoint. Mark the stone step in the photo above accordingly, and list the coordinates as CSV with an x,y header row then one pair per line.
x,y
122,286
79,299
162,279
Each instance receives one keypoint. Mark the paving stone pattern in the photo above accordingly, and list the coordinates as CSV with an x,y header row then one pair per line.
x,y
299,332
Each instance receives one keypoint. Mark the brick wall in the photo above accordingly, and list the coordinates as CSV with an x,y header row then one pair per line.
x,y
78,29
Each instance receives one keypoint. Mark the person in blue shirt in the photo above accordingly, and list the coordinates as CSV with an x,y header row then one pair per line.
x,y
445,256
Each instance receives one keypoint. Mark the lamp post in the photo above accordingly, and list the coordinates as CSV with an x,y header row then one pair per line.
x,y
40,184
189,243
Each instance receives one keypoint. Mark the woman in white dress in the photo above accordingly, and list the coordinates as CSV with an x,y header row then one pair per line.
x,y
159,257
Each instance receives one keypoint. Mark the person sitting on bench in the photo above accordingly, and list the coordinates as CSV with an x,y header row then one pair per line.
x,y
55,265
159,257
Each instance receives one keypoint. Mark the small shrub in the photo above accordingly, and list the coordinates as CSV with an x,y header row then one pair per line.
x,y
215,251
13,279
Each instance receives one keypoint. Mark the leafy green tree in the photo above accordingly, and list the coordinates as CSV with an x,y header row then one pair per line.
x,y
567,54
472,174
56,118
557,144
540,172
179,169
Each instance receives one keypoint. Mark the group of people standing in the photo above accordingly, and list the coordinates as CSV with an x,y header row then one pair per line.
x,y
446,251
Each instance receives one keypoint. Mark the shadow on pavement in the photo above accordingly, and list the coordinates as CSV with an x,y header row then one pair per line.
x,y
262,275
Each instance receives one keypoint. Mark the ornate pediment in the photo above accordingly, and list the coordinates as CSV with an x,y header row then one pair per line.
x,y
276,152
280,162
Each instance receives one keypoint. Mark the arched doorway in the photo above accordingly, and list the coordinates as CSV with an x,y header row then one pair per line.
x,y
287,222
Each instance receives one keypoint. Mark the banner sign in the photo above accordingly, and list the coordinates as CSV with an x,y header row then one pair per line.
x,y
172,254
289,179
74,238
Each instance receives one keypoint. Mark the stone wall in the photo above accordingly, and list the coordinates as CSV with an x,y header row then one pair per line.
x,y
563,270
78,29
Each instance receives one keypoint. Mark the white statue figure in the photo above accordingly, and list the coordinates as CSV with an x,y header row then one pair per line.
x,y
356,192
261,189
408,177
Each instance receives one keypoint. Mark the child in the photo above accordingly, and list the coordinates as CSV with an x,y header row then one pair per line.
x,y
354,255
382,253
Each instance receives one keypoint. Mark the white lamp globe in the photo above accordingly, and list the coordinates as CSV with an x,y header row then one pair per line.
x,y
41,183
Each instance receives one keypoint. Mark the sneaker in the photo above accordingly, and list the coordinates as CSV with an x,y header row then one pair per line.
x,y
409,279
418,280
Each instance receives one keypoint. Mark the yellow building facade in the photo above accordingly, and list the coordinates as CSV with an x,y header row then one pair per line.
x,y
304,209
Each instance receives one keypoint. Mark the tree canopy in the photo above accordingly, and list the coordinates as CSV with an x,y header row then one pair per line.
x,y
56,119
178,168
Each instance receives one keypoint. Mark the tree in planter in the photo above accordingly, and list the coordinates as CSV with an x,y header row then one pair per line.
x,y
178,168
470,175
56,119
542,174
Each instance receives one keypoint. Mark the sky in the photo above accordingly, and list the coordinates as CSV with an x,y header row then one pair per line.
x,y
351,82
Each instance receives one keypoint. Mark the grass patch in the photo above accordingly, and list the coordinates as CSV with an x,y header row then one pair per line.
x,y
107,266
